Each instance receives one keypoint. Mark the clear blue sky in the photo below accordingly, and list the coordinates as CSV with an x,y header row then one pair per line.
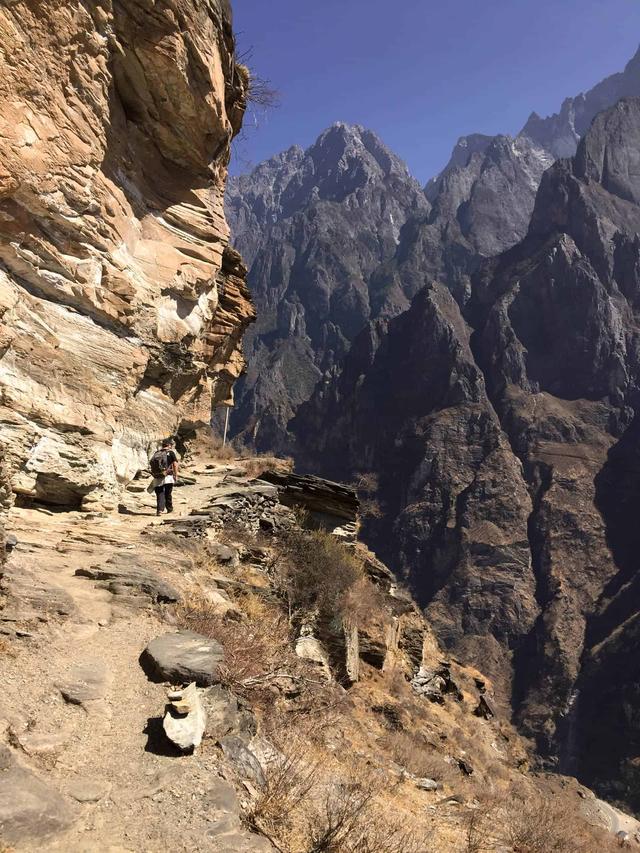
x,y
421,73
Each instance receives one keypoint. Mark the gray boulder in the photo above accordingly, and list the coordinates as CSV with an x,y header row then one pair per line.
x,y
243,759
225,716
183,657
427,784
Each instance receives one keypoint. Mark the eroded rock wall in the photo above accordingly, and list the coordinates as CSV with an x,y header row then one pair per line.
x,y
122,304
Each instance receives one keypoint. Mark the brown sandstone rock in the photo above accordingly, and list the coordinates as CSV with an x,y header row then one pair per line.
x,y
122,305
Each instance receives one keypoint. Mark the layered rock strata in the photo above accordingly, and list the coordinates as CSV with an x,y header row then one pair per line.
x,y
122,305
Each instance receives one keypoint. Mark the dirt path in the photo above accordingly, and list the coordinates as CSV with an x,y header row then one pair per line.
x,y
106,750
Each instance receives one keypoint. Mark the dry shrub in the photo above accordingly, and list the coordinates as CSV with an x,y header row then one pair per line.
x,y
236,535
255,652
413,752
300,811
253,607
224,452
542,825
288,784
480,827
531,824
315,573
367,486
370,508
366,482
350,820
257,465
209,446
365,602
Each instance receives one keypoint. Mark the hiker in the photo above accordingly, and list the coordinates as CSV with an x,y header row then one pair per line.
x,y
164,467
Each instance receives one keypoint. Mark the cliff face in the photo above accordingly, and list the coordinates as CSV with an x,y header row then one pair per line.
x,y
411,406
506,444
313,226
558,334
122,304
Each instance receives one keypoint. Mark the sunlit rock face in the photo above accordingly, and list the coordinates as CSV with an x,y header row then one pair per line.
x,y
122,303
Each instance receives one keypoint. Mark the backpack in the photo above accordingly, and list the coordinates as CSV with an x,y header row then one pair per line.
x,y
159,463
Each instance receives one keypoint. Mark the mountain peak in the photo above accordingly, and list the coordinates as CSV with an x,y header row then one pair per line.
x,y
342,143
559,133
633,65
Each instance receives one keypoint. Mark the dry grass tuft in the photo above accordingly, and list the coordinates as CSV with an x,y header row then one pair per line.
x,y
412,751
365,602
304,807
288,785
368,486
349,820
530,823
258,657
257,465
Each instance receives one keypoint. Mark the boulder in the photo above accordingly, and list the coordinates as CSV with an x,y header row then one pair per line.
x,y
427,784
464,766
485,708
435,684
183,657
185,718
225,716
223,553
242,758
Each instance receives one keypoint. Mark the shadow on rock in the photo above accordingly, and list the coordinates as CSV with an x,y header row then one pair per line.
x,y
157,741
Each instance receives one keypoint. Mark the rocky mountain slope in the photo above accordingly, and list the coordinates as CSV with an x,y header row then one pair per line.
x,y
344,718
122,305
314,299
507,457
312,226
